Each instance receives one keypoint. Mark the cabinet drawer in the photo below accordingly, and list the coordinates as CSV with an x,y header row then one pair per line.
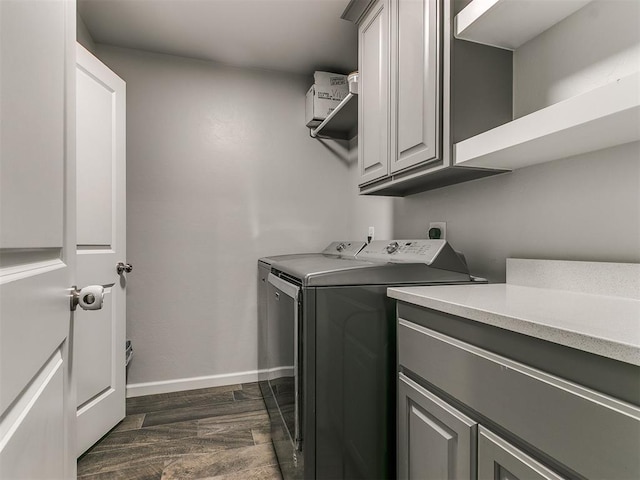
x,y
595,435
499,460
435,440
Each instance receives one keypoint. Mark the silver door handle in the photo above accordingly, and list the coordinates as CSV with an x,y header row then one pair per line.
x,y
89,298
122,267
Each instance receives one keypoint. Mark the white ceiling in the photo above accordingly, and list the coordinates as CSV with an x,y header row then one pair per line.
x,y
298,36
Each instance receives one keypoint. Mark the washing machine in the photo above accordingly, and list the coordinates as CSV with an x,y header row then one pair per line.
x,y
331,355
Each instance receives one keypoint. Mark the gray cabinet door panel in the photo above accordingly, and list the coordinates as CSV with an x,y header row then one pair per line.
x,y
499,460
591,433
435,441
415,82
373,99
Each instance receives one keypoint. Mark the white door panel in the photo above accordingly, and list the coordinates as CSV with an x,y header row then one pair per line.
x,y
28,335
37,238
96,264
95,329
95,151
32,425
32,102
99,336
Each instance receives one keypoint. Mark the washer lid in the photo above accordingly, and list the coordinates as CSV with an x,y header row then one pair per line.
x,y
279,258
339,248
302,268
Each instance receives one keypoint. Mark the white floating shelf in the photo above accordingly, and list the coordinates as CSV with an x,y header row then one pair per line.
x,y
510,23
604,117
341,121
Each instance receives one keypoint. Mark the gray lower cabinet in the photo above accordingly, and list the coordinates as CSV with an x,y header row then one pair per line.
x,y
499,460
436,441
554,425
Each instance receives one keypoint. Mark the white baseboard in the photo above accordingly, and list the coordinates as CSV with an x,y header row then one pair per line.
x,y
276,373
180,384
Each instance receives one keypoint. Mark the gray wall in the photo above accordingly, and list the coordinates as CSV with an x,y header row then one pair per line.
x,y
83,36
593,47
581,208
220,171
367,211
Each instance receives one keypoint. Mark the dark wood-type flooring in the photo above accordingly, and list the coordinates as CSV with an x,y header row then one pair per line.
x,y
219,433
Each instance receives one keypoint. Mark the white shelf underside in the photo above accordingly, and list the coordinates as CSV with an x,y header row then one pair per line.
x,y
510,23
338,119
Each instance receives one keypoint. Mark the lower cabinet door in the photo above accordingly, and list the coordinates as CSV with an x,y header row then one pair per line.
x,y
435,441
499,460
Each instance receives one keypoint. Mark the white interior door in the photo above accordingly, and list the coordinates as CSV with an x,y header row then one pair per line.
x,y
37,238
99,337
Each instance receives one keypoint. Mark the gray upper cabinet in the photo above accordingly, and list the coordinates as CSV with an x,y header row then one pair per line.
x,y
421,90
415,110
373,98
398,64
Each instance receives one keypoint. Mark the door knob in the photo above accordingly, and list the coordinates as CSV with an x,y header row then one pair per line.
x,y
122,267
89,298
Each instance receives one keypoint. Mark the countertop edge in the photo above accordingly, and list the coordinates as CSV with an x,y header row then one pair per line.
x,y
603,347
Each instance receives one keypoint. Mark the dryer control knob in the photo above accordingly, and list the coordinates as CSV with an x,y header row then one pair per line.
x,y
392,247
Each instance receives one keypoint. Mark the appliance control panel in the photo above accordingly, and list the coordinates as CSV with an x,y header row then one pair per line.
x,y
402,251
344,249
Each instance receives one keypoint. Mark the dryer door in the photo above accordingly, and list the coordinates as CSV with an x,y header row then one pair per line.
x,y
283,316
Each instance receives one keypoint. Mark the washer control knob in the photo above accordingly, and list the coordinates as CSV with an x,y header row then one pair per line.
x,y
392,247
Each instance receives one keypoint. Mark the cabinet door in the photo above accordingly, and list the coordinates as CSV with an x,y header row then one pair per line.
x,y
499,460
373,99
415,82
435,440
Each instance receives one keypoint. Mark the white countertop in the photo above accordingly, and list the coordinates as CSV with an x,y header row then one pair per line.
x,y
608,326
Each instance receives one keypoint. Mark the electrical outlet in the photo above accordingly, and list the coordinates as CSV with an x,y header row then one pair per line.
x,y
442,226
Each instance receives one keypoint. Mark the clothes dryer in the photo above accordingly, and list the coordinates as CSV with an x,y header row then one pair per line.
x,y
336,249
